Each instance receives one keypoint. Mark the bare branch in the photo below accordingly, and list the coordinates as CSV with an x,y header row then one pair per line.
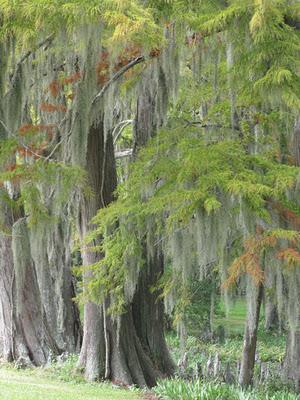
x,y
121,126
123,153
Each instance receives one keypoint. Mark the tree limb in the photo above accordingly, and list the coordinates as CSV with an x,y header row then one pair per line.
x,y
48,40
116,76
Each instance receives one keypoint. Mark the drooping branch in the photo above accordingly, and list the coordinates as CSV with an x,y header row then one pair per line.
x,y
116,76
119,129
25,56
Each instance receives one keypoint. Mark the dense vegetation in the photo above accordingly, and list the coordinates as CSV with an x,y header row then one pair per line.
x,y
149,182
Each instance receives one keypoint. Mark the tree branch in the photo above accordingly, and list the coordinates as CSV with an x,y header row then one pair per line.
x,y
121,126
123,153
116,76
48,40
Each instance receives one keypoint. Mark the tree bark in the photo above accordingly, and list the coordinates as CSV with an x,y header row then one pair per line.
x,y
101,171
296,141
6,288
148,313
250,340
111,347
51,253
131,348
292,358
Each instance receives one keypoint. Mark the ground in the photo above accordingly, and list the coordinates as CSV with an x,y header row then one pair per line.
x,y
28,385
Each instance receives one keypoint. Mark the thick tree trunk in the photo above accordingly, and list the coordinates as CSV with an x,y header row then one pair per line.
x,y
271,315
296,141
6,289
24,329
51,253
101,171
148,313
112,347
250,340
36,320
292,359
131,348
148,310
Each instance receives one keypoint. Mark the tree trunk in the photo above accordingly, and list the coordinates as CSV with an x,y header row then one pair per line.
x,y
51,253
148,313
292,358
6,288
232,96
271,315
296,141
38,317
101,171
111,346
250,339
148,310
22,321
131,348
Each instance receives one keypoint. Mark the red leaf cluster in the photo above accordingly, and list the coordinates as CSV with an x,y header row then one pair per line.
x,y
49,107
287,214
73,78
30,129
54,88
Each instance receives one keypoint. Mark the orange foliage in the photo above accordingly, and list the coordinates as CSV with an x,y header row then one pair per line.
x,y
68,80
290,255
102,68
105,65
22,151
48,107
29,128
249,261
129,54
287,214
155,53
54,88
11,167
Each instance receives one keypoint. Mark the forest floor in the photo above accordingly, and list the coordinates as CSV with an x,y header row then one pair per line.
x,y
36,385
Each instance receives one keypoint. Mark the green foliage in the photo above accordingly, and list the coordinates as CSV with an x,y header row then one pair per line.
x,y
125,20
197,311
266,48
65,370
41,188
178,389
178,173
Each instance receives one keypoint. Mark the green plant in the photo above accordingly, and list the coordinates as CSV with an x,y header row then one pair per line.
x,y
178,389
65,369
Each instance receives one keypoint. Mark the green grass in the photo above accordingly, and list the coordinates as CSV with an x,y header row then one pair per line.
x,y
234,322
35,384
178,389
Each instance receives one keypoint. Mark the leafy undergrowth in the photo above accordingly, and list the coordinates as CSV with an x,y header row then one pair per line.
x,y
177,389
58,381
271,348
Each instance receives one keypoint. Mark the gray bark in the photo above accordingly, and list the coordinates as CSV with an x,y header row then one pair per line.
x,y
32,326
250,340
292,359
296,141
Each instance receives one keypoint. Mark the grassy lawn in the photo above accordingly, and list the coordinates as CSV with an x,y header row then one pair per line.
x,y
33,385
